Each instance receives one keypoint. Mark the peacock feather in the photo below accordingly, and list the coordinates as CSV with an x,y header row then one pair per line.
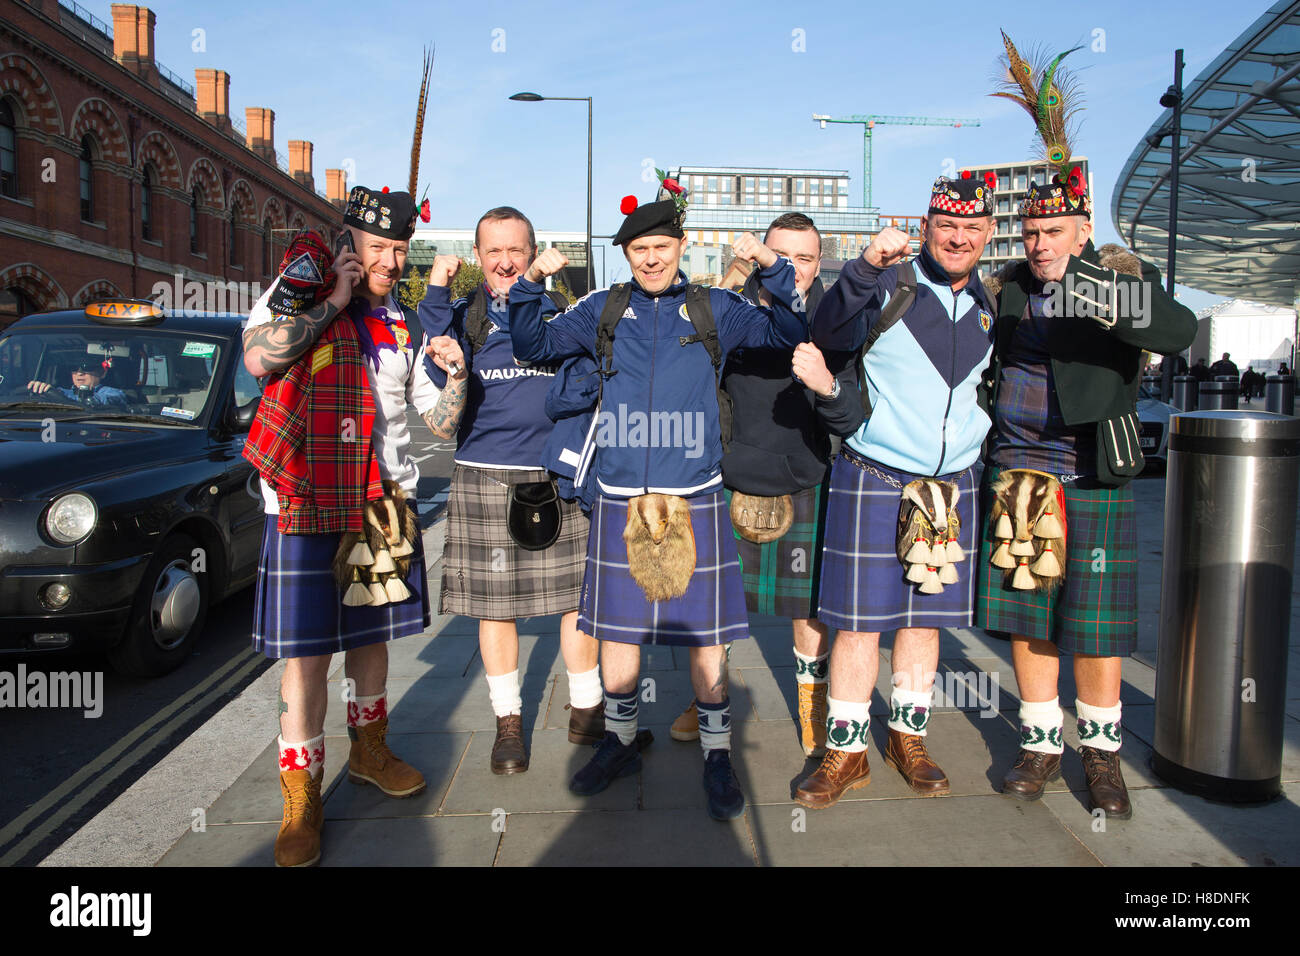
x,y
1048,94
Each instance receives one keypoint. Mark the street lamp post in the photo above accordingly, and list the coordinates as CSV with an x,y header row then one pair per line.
x,y
537,98
1173,99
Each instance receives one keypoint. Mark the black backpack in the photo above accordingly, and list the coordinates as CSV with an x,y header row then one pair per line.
x,y
904,293
477,325
700,311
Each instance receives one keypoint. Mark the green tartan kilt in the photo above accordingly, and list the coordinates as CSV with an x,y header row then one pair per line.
x,y
1094,610
782,577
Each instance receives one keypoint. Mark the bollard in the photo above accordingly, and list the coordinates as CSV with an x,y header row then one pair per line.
x,y
1225,603
1279,394
1218,395
1184,397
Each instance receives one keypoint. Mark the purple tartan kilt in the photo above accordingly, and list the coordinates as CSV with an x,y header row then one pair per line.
x,y
299,609
864,587
712,611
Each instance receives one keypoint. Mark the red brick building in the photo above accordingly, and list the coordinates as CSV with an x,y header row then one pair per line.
x,y
116,175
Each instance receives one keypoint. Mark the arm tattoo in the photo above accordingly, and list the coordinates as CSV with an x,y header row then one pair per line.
x,y
444,418
277,345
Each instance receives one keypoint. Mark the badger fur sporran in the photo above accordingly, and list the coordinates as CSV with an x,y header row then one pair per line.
x,y
371,565
660,545
1029,529
759,518
928,532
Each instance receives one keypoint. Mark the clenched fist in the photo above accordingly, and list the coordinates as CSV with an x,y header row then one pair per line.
x,y
810,368
548,263
749,248
443,270
889,246
447,355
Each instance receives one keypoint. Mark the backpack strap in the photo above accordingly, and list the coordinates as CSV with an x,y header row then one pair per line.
x,y
477,326
616,303
700,310
898,304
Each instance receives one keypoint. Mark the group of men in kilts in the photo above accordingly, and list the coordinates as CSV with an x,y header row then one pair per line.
x,y
937,383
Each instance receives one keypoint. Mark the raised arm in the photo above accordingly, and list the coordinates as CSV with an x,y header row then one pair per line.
x,y
273,346
570,333
1145,315
742,324
848,308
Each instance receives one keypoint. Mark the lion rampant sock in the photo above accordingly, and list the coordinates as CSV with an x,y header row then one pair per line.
x,y
367,710
309,755
620,716
1040,726
1098,726
847,723
909,711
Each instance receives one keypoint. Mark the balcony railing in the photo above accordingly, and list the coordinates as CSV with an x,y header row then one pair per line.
x,y
81,13
174,80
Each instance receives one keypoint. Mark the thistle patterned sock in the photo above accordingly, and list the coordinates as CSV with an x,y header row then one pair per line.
x,y
620,716
1040,726
1098,726
367,710
715,725
503,689
909,711
811,670
847,723
309,755
584,689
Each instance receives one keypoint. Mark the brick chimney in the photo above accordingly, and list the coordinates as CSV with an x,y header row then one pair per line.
x,y
212,101
261,131
300,162
336,186
133,39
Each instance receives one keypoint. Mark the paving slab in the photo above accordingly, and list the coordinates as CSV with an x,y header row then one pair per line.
x,y
430,704
623,839
239,844
437,756
411,841
989,830
255,796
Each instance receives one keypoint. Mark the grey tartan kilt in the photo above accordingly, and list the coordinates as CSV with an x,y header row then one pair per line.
x,y
485,575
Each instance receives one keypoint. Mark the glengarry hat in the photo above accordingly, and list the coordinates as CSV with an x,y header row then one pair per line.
x,y
381,213
306,275
967,196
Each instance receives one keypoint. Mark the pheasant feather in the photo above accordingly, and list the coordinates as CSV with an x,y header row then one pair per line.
x,y
419,123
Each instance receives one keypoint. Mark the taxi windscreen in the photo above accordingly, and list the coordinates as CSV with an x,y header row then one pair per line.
x,y
118,372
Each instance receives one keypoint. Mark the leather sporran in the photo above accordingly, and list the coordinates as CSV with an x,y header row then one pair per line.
x,y
533,515
759,518
660,545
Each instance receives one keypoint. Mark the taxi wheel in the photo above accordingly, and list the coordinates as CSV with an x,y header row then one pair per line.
x,y
168,614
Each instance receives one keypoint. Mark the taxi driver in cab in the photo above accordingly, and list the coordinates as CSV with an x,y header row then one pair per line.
x,y
86,388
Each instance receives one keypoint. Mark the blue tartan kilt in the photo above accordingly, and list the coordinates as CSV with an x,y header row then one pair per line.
x,y
712,611
864,586
299,611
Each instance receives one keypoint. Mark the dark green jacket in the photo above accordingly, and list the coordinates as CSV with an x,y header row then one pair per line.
x,y
1097,369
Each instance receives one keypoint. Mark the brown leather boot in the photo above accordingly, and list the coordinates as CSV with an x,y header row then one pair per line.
x,y
687,725
840,771
508,754
1106,782
1029,775
586,724
370,761
812,719
906,753
298,842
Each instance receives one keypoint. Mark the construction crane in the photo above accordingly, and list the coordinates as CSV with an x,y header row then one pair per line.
x,y
869,122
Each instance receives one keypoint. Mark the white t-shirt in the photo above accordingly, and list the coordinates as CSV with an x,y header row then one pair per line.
x,y
397,378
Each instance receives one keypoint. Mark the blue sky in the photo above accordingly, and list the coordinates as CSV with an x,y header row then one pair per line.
x,y
676,83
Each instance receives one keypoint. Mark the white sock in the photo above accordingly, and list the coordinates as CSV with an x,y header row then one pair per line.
x,y
308,755
811,670
585,689
504,691
1098,726
909,711
1040,726
847,724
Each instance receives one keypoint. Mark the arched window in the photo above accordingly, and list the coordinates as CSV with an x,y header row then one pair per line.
x,y
86,179
8,151
233,244
267,265
146,201
194,220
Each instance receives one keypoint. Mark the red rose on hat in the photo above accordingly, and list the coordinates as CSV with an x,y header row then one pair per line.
x,y
628,205
424,211
965,174
1076,183
991,179
672,186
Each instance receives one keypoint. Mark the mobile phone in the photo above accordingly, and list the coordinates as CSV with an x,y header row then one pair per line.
x,y
344,243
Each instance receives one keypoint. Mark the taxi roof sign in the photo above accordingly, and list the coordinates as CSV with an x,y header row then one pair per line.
x,y
125,312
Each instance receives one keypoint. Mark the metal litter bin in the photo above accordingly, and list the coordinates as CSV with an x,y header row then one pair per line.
x,y
1279,394
1185,393
1225,603
1220,393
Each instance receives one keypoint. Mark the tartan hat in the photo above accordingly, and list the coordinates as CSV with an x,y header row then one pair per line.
x,y
1060,197
381,213
967,197
306,275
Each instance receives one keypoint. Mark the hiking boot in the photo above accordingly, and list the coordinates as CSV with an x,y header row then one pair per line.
x,y
906,753
586,724
812,719
1029,775
687,725
370,761
611,761
298,842
1106,783
508,753
726,802
840,772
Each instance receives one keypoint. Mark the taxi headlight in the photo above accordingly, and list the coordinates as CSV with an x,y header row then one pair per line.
x,y
71,518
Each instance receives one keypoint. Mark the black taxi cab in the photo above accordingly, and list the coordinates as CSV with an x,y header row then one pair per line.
x,y
126,508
